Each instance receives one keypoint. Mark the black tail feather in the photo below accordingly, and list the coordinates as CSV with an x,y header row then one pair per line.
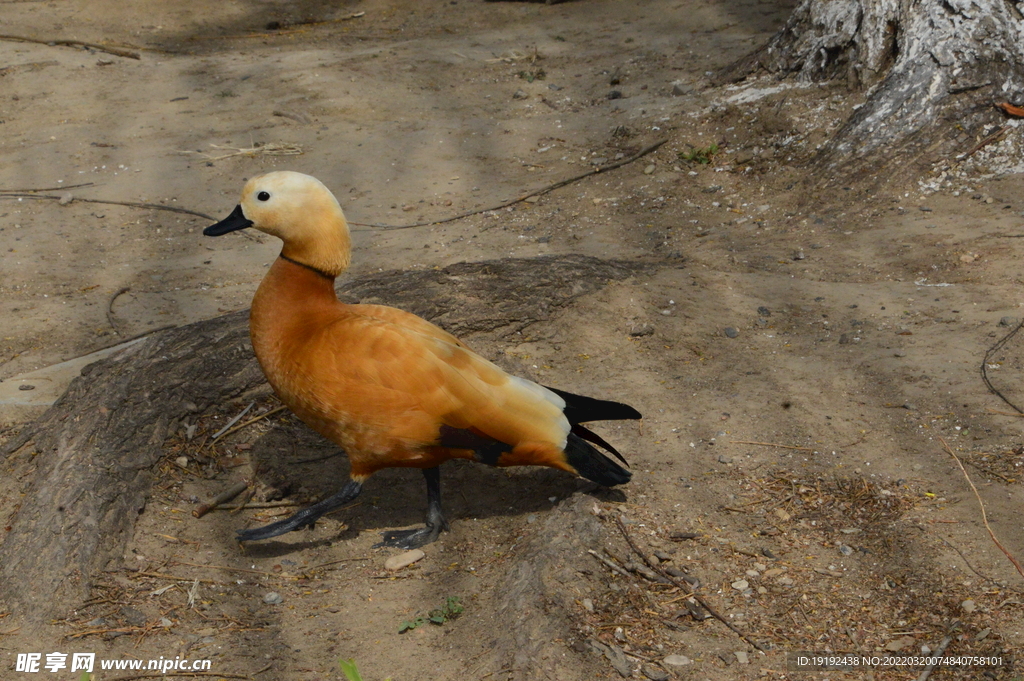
x,y
591,436
581,409
592,464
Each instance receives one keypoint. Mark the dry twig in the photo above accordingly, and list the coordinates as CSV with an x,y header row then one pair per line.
x,y
116,51
110,307
936,654
681,585
984,515
254,420
130,204
984,366
227,495
536,192
269,149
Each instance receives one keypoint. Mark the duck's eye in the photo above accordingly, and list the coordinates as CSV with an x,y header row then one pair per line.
x,y
263,196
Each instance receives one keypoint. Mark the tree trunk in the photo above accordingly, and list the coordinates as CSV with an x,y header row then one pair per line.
x,y
924,62
94,451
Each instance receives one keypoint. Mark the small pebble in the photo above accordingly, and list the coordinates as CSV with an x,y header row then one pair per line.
x,y
403,560
773,572
785,581
26,386
731,332
273,598
615,94
165,623
1008,321
968,606
519,94
654,673
845,550
740,584
753,573
649,169
680,89
181,462
722,458
677,660
620,635
641,330
588,605
66,198
741,656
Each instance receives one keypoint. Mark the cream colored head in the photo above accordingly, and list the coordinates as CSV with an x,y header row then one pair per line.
x,y
303,213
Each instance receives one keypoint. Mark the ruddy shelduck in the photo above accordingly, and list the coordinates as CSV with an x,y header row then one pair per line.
x,y
389,387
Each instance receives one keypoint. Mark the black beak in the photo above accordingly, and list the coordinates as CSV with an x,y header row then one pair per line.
x,y
231,223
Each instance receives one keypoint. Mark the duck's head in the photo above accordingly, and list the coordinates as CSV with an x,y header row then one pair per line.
x,y
299,210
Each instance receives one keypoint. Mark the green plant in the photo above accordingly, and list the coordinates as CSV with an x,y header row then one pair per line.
x,y
451,609
348,668
702,155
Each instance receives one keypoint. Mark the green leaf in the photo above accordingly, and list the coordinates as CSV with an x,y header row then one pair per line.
x,y
348,668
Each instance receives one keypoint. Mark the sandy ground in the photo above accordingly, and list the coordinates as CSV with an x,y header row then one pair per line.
x,y
797,356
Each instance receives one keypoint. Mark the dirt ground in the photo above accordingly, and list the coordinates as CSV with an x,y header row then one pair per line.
x,y
800,356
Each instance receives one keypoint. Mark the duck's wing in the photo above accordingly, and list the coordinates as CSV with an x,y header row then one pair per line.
x,y
399,373
406,320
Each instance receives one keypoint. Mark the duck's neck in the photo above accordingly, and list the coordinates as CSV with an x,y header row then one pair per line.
x,y
325,245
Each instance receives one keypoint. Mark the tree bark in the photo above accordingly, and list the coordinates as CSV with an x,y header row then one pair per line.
x,y
924,62
95,449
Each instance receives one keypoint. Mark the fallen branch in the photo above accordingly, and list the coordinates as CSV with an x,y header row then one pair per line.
x,y
1010,109
254,420
116,51
935,655
257,505
227,427
999,134
968,564
110,308
984,366
270,149
47,189
614,567
536,192
984,515
227,495
130,204
681,585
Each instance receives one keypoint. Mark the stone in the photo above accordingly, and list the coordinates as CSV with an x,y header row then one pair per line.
x,y
677,660
654,673
273,598
403,560
741,656
740,584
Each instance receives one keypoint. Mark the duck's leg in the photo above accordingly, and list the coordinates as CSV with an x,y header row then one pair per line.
x,y
304,518
413,539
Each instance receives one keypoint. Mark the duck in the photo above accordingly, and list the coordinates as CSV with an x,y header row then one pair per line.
x,y
390,388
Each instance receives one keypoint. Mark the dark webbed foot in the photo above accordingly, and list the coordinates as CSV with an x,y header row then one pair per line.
x,y
411,539
436,523
304,518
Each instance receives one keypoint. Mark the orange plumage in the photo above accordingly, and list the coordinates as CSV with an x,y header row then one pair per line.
x,y
389,387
